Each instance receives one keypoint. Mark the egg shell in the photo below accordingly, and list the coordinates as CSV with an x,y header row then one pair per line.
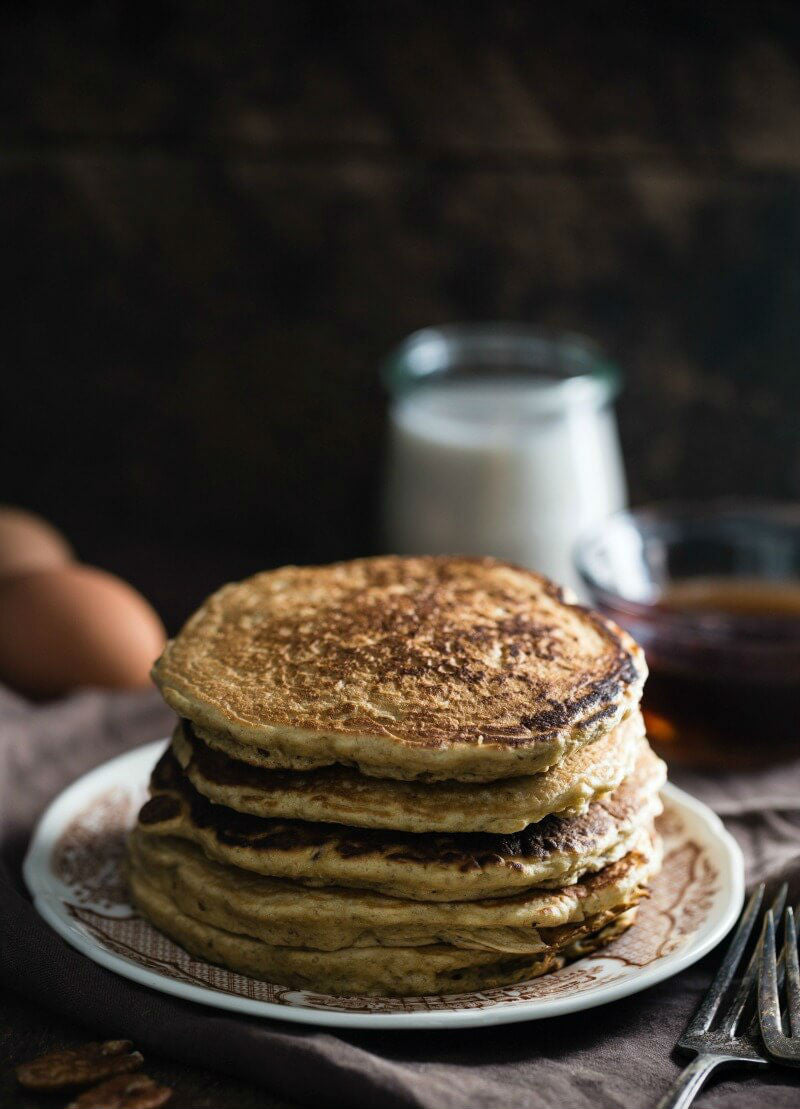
x,y
72,627
29,543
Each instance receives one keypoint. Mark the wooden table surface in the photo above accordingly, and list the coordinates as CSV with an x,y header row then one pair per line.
x,y
27,1031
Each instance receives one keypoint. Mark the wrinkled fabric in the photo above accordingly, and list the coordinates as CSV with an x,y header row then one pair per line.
x,y
618,1055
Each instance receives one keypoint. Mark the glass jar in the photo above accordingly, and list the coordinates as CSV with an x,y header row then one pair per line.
x,y
503,441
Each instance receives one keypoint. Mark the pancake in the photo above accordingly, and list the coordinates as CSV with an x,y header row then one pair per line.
x,y
284,913
342,795
371,971
431,667
435,867
346,941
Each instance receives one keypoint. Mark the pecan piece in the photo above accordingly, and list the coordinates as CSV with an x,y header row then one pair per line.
x,y
126,1091
80,1066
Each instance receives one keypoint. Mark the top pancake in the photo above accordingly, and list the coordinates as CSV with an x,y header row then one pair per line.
x,y
429,667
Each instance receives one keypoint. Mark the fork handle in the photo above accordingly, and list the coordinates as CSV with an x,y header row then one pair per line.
x,y
689,1082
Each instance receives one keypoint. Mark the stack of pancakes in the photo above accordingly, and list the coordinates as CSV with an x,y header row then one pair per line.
x,y
398,776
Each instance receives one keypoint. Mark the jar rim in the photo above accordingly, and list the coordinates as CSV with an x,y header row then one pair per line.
x,y
568,366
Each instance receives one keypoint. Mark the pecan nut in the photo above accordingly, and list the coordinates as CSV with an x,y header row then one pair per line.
x,y
80,1066
126,1091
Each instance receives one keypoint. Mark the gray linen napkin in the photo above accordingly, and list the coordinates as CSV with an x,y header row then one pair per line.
x,y
616,1056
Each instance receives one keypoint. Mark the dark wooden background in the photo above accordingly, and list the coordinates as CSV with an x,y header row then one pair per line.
x,y
217,218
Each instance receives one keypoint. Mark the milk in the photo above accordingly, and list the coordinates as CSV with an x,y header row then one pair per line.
x,y
516,467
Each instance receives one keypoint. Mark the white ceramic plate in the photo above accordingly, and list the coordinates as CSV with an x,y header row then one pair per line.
x,y
73,870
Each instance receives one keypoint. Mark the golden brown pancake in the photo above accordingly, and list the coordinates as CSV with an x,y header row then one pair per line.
x,y
430,867
288,914
428,667
365,971
355,942
342,795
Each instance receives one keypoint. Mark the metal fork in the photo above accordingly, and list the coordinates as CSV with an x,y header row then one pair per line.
x,y
723,1044
784,1049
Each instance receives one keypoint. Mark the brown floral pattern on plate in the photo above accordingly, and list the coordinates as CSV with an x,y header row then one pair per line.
x,y
89,857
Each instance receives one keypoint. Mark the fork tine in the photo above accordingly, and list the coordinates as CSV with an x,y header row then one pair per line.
x,y
769,1010
755,1028
792,974
727,1025
707,1010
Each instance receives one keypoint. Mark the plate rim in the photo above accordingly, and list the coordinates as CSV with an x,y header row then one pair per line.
x,y
36,865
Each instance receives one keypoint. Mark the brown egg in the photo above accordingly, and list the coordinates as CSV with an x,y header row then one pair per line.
x,y
27,543
75,626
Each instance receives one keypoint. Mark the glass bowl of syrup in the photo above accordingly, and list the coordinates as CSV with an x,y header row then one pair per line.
x,y
712,593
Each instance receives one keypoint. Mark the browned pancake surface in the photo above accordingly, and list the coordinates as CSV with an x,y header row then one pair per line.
x,y
429,653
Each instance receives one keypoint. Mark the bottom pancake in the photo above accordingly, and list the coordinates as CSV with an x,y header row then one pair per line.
x,y
355,941
285,913
373,971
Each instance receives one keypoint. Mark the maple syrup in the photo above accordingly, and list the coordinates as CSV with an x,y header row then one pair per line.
x,y
724,659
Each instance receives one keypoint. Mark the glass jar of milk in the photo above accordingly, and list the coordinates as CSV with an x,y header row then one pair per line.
x,y
503,441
